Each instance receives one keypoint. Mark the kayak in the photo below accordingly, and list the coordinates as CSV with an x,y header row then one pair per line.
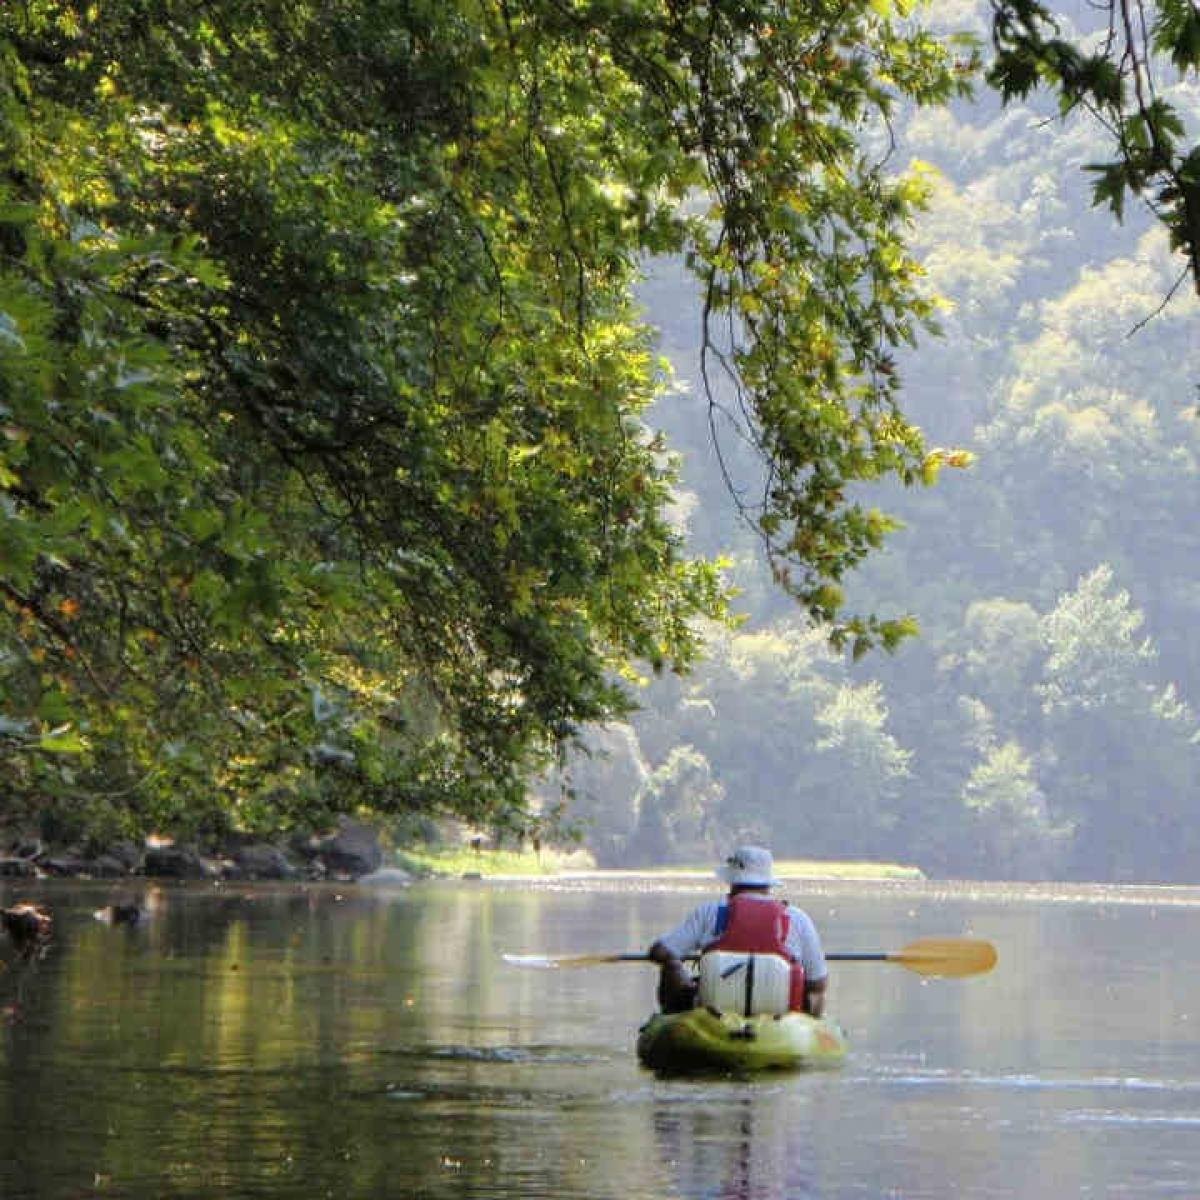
x,y
703,1039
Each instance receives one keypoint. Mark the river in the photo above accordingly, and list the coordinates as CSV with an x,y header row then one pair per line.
x,y
332,1041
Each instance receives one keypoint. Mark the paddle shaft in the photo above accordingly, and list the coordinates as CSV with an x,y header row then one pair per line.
x,y
878,956
927,956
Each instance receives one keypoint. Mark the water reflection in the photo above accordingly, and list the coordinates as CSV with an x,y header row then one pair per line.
x,y
310,1041
741,1146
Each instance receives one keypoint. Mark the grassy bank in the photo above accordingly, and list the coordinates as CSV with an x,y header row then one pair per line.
x,y
463,860
859,870
457,861
802,869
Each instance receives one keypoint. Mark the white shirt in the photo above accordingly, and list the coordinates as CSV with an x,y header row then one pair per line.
x,y
699,928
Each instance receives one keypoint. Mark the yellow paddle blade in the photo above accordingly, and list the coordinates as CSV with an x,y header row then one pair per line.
x,y
946,956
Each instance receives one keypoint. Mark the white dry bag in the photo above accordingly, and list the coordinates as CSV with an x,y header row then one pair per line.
x,y
746,984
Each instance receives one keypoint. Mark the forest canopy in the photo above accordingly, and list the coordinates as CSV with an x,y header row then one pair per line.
x,y
326,479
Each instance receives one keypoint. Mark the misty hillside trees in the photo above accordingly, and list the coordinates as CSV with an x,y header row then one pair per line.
x,y
1039,745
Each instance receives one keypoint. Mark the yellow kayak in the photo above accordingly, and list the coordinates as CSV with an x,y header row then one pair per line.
x,y
705,1040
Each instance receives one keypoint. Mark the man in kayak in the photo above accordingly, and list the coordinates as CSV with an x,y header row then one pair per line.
x,y
749,919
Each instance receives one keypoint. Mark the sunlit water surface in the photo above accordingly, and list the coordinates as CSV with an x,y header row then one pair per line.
x,y
310,1042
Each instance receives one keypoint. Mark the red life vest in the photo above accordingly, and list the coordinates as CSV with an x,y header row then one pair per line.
x,y
758,925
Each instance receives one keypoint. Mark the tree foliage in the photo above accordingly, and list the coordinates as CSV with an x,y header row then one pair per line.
x,y
1120,76
1014,834
325,477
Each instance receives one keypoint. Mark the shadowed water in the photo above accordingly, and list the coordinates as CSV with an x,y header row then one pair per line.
x,y
309,1042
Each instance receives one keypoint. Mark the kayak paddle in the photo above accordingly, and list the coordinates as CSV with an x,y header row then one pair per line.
x,y
550,961
955,957
935,956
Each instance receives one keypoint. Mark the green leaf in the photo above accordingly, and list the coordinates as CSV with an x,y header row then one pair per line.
x,y
1177,33
63,740
1111,186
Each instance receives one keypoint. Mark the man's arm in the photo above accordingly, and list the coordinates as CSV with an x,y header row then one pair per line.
x,y
676,986
685,941
805,942
814,996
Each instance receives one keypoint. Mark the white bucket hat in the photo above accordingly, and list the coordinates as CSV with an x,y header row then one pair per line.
x,y
749,866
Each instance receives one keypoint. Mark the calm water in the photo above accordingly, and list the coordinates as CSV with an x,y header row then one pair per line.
x,y
332,1042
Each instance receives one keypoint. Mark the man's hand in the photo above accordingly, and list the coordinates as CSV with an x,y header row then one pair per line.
x,y
676,987
814,997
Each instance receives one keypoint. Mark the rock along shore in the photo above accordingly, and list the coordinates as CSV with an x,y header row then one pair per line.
x,y
350,852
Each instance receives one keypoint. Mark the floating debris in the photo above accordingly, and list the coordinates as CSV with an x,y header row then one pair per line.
x,y
132,909
29,927
120,914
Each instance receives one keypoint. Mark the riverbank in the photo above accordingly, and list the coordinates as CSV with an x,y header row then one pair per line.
x,y
457,862
356,851
453,862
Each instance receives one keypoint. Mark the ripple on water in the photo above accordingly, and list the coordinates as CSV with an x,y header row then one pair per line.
x,y
904,1077
510,1055
467,1100
1032,1083
1130,1119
